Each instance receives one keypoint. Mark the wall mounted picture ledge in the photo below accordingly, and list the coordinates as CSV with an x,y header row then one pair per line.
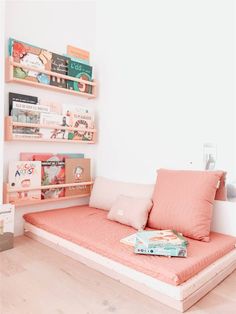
x,y
10,136
10,64
7,190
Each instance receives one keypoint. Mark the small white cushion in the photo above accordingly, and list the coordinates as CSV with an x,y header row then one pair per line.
x,y
106,191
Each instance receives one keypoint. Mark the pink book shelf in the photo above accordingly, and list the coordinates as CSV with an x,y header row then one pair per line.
x,y
10,64
10,136
7,190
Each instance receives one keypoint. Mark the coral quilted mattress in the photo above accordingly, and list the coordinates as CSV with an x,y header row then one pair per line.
x,y
90,228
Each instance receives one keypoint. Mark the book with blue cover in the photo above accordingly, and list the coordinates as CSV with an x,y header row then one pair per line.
x,y
161,242
82,71
158,242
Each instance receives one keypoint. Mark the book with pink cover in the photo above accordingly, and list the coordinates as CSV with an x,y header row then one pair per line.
x,y
30,156
53,172
24,174
77,170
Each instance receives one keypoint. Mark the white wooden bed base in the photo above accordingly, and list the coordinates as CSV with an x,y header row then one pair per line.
x,y
178,297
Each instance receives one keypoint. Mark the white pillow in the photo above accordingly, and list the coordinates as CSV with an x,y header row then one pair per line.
x,y
106,191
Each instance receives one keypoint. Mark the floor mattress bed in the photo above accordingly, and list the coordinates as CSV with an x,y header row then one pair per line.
x,y
85,234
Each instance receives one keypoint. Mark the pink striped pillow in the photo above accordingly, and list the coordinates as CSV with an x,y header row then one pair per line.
x,y
183,200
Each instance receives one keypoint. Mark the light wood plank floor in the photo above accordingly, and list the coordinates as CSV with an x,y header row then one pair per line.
x,y
35,279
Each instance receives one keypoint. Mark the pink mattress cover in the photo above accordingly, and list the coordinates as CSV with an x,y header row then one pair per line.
x,y
90,228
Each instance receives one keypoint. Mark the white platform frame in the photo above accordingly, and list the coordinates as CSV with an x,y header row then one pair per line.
x,y
179,297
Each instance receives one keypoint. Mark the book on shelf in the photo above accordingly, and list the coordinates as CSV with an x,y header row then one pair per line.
x,y
32,56
31,156
54,107
57,120
53,172
78,54
59,65
27,113
161,242
24,174
77,170
82,118
71,155
82,71
28,99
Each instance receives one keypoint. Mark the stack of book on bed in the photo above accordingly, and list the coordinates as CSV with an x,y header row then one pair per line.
x,y
158,242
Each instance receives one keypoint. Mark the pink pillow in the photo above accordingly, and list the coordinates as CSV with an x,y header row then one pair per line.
x,y
131,211
221,192
183,200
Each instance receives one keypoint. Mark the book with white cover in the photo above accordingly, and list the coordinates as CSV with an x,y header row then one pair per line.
x,y
130,240
27,113
82,118
57,120
24,174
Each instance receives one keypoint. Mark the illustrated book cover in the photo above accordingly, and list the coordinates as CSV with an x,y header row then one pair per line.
x,y
161,242
31,56
53,172
27,113
82,71
24,174
54,106
28,99
77,170
82,118
59,64
129,240
57,120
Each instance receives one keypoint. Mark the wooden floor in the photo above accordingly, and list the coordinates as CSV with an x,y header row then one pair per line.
x,y
35,279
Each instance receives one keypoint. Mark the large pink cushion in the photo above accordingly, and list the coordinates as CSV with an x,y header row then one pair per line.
x,y
183,200
221,192
89,228
131,211
106,191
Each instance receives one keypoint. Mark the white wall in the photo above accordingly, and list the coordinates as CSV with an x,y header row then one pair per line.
x,y
165,70
165,73
51,25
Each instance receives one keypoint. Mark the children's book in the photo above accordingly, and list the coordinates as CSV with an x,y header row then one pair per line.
x,y
31,156
53,172
31,56
79,117
82,71
55,107
57,120
59,65
77,170
161,242
78,54
130,240
27,113
71,155
24,174
21,98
